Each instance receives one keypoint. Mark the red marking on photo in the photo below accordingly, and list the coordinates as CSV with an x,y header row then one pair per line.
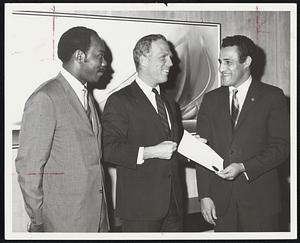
x,y
260,22
53,33
45,173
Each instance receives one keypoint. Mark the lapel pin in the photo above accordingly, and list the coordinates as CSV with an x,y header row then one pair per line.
x,y
252,99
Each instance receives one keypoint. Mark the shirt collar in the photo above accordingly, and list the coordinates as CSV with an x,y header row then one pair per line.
x,y
145,87
76,85
243,87
74,82
71,79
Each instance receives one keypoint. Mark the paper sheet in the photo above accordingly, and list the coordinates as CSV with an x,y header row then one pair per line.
x,y
200,152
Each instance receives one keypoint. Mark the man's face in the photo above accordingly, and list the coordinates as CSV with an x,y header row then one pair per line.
x,y
233,73
94,64
158,63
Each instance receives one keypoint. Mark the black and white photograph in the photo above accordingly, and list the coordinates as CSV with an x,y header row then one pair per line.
x,y
150,121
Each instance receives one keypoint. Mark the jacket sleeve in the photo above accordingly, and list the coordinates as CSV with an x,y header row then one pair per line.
x,y
277,149
36,136
115,124
204,130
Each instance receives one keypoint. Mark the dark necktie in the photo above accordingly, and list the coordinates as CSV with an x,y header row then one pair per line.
x,y
234,108
161,110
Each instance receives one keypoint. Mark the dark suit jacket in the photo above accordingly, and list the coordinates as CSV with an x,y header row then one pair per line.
x,y
130,121
58,161
260,141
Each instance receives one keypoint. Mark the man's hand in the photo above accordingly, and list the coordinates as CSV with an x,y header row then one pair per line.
x,y
208,210
35,227
163,150
231,171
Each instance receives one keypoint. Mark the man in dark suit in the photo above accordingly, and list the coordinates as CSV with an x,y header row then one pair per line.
x,y
58,162
246,122
142,142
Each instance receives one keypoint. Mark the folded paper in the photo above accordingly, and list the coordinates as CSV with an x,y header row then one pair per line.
x,y
199,152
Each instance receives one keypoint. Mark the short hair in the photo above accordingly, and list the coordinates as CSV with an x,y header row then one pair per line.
x,y
76,38
143,47
245,46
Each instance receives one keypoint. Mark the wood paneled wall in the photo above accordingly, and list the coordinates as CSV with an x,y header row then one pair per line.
x,y
270,30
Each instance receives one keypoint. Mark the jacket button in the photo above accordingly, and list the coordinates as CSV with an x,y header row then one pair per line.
x,y
101,191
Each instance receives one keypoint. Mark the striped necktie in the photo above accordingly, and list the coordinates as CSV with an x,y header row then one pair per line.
x,y
161,110
86,104
234,108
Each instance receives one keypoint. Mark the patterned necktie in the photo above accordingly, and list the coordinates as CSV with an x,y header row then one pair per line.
x,y
234,108
162,112
86,104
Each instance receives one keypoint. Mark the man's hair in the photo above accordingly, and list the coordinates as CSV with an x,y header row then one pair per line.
x,y
245,46
143,47
76,38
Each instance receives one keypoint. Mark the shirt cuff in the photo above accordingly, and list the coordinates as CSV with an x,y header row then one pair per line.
x,y
140,156
245,173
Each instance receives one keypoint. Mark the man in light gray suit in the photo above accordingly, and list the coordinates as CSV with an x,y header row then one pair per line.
x,y
58,162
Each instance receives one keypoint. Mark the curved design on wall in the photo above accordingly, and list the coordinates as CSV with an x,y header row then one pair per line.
x,y
198,73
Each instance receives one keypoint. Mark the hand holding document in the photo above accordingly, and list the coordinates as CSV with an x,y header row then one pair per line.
x,y
199,152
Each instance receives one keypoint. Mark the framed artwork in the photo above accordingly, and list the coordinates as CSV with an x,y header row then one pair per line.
x,y
32,48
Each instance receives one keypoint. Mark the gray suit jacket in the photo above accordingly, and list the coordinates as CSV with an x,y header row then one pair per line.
x,y
58,162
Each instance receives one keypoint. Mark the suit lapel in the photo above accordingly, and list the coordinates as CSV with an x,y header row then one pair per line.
x,y
95,123
170,111
96,126
74,101
81,113
145,107
224,110
250,100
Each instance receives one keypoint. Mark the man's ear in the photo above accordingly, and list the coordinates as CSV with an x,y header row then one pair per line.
x,y
144,60
248,62
79,56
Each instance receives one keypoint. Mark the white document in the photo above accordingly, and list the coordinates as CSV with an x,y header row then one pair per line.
x,y
199,152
